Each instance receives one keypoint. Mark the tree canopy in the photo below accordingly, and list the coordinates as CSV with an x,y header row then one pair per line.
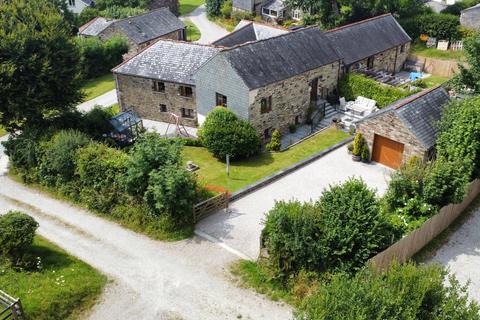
x,y
39,73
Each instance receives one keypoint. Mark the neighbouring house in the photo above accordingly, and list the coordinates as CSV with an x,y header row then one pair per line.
x,y
270,10
406,128
379,43
140,31
273,82
158,82
436,6
77,6
246,31
470,18
170,4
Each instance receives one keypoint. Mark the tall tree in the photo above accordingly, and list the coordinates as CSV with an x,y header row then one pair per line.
x,y
39,72
470,76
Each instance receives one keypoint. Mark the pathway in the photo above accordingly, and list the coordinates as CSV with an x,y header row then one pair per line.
x,y
461,254
153,280
106,100
240,229
210,31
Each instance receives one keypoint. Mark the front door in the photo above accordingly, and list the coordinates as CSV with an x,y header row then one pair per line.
x,y
314,91
370,62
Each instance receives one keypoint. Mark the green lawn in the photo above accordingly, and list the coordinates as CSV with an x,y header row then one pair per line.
x,y
228,24
433,81
187,6
193,34
421,50
63,288
98,86
242,173
2,131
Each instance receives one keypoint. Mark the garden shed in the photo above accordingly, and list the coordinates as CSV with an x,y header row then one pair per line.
x,y
405,128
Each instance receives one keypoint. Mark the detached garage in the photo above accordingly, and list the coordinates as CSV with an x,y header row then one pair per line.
x,y
405,128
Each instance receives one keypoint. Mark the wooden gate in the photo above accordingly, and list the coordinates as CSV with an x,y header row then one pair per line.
x,y
209,206
10,308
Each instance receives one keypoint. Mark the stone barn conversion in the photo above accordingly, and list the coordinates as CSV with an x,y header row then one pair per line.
x,y
155,88
406,128
379,43
271,82
140,31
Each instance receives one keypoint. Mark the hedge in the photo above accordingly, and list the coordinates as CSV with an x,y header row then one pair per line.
x,y
354,85
437,25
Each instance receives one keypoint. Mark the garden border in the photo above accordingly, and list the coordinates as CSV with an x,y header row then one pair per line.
x,y
408,246
283,172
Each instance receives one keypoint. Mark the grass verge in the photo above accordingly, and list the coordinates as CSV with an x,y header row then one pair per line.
x,y
187,6
433,81
98,86
245,172
421,50
431,249
62,288
193,33
228,24
2,131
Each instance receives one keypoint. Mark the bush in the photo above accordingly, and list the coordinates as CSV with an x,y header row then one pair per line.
x,y
226,9
223,133
354,85
358,143
436,25
98,57
99,169
58,162
171,191
404,292
276,142
213,7
96,123
365,154
339,232
149,153
17,230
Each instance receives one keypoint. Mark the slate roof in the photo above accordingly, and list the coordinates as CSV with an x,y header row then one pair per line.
x,y
420,113
149,25
363,39
243,4
168,60
247,31
95,26
276,5
270,60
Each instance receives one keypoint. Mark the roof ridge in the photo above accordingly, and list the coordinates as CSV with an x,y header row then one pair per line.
x,y
144,14
414,97
269,25
230,33
359,22
271,38
87,24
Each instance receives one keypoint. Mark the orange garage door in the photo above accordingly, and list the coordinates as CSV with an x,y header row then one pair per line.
x,y
387,152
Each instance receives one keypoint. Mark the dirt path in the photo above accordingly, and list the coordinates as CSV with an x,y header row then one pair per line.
x,y
461,254
152,279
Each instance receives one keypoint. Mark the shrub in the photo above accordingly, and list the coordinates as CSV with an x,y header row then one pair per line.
x,y
339,232
365,154
98,57
226,9
213,7
403,292
149,153
436,25
276,142
17,230
58,163
96,122
354,85
358,143
99,169
171,191
223,133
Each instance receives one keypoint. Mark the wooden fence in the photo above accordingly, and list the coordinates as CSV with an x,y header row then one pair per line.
x,y
209,206
405,248
436,67
10,308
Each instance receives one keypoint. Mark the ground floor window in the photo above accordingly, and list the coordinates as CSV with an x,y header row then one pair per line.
x,y
266,105
163,108
187,113
220,100
267,134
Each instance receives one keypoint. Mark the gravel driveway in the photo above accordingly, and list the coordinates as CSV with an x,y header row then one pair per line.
x,y
152,279
461,254
106,100
240,229
210,31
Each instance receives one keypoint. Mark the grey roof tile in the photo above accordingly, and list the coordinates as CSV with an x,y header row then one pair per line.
x,y
363,39
247,31
150,25
95,27
270,60
246,5
168,60
277,5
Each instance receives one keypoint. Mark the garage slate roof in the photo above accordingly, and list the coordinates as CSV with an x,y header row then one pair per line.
x,y
247,31
360,40
149,25
420,113
168,60
270,60
95,26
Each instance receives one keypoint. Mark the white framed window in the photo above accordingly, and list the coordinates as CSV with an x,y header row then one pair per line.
x,y
266,11
297,14
274,13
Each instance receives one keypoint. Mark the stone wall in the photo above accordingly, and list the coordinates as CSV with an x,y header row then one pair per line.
x,y
136,93
391,60
470,19
390,126
290,98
